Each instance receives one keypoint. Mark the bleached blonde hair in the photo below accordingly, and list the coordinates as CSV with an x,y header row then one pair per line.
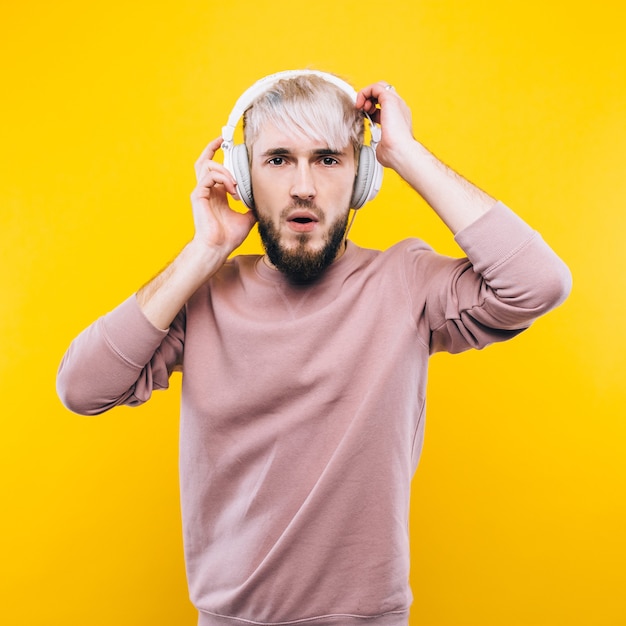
x,y
306,105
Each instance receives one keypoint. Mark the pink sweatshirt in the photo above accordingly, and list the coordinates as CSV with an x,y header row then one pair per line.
x,y
303,412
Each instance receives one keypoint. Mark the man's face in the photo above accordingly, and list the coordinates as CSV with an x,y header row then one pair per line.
x,y
302,192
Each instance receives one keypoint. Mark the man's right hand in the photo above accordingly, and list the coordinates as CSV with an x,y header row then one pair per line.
x,y
217,225
218,231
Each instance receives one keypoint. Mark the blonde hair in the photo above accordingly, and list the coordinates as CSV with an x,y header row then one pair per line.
x,y
307,105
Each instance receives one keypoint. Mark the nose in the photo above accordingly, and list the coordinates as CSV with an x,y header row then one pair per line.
x,y
303,183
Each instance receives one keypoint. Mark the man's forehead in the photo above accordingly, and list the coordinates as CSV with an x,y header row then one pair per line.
x,y
272,140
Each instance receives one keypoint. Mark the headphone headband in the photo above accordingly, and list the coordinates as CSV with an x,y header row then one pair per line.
x,y
369,173
264,84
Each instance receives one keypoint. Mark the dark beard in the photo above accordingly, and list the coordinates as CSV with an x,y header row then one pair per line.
x,y
299,264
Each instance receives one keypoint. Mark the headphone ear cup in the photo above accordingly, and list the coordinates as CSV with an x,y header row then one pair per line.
x,y
241,171
365,178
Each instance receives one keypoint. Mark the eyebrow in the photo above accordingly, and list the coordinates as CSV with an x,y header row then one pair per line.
x,y
328,151
317,152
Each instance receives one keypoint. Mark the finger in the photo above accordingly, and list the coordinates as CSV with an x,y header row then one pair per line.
x,y
218,169
368,97
207,154
209,178
211,148
214,176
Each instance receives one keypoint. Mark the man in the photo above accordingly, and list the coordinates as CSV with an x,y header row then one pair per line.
x,y
304,369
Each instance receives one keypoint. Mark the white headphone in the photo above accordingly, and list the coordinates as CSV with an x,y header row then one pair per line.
x,y
370,172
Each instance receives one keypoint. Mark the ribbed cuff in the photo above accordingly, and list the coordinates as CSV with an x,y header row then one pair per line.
x,y
494,237
127,326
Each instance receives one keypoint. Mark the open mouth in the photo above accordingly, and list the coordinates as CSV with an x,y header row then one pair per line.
x,y
302,221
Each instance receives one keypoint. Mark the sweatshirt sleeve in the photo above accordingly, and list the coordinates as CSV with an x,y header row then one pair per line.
x,y
120,359
509,278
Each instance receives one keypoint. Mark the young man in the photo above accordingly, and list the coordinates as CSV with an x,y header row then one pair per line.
x,y
304,370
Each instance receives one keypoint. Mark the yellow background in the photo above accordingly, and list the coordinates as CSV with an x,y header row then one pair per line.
x,y
519,510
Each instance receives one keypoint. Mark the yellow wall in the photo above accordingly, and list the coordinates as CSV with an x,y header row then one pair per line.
x,y
519,509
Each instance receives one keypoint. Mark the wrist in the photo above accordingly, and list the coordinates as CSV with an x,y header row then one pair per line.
x,y
409,159
198,260
162,298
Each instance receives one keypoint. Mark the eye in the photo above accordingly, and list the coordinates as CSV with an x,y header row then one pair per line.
x,y
328,160
277,161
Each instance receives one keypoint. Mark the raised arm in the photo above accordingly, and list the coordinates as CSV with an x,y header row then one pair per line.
x,y
511,277
122,357
457,201
218,231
